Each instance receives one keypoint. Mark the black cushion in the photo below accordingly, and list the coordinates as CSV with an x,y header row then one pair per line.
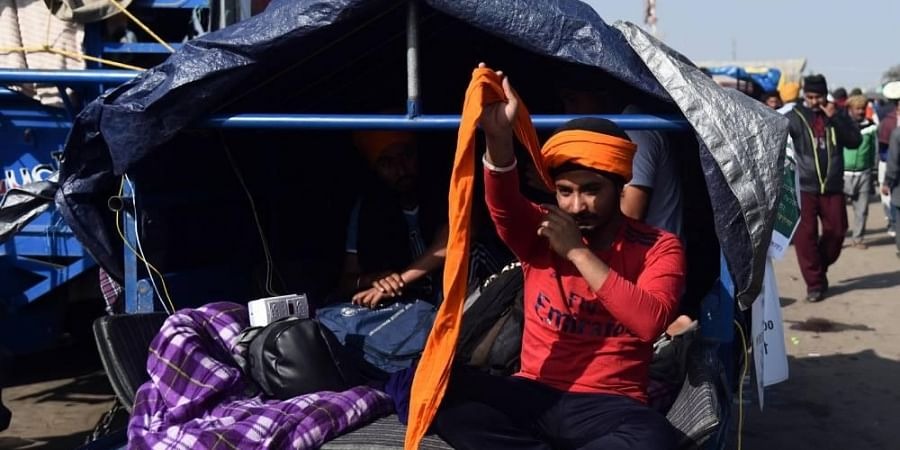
x,y
124,344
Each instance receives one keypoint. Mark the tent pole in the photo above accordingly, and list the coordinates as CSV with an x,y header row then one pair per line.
x,y
412,60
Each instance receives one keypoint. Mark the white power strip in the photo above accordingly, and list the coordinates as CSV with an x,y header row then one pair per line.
x,y
264,311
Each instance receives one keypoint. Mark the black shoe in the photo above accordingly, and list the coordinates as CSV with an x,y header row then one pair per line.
x,y
815,296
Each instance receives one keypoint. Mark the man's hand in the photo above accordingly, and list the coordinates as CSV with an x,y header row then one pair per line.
x,y
561,231
885,189
391,285
496,119
370,297
829,109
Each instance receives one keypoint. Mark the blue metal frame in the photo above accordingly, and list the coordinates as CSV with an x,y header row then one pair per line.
x,y
138,47
66,77
44,255
36,241
422,122
139,292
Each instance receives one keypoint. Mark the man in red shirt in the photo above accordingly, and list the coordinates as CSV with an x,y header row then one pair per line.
x,y
599,289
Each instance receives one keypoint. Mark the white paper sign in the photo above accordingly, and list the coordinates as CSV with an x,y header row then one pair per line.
x,y
767,331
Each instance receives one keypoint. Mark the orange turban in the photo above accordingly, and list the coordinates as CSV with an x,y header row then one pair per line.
x,y
372,144
858,101
589,149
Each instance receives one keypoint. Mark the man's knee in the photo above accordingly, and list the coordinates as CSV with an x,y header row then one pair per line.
x,y
651,430
473,425
647,430
453,416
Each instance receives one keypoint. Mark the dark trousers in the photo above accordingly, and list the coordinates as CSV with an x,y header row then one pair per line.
x,y
815,253
483,411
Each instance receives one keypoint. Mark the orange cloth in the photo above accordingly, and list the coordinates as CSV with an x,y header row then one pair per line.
x,y
372,144
589,149
433,372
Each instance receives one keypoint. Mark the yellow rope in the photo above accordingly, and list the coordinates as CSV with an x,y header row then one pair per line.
x,y
107,62
740,430
8,50
48,48
68,54
141,24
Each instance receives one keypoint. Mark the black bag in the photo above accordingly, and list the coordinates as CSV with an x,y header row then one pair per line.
x,y
490,337
293,356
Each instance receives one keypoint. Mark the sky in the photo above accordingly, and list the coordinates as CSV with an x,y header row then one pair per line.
x,y
851,42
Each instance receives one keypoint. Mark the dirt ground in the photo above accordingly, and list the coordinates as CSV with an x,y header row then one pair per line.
x,y
843,391
844,386
56,398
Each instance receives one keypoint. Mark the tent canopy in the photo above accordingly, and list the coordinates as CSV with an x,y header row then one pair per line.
x,y
348,56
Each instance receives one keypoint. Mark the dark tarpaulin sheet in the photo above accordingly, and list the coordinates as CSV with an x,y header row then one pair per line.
x,y
21,205
128,127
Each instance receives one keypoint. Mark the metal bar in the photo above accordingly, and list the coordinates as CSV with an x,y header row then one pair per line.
x,y
53,280
222,7
412,59
41,230
43,245
178,4
138,47
36,266
336,121
66,76
395,122
70,107
132,303
42,124
139,293
327,121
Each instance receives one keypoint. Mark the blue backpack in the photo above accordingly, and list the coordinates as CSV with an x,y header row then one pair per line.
x,y
388,338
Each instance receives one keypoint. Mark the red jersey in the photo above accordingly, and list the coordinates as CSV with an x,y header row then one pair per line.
x,y
577,339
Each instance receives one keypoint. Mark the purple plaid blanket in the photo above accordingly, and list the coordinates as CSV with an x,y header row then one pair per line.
x,y
197,396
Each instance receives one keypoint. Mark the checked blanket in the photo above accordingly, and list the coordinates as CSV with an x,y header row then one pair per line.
x,y
198,399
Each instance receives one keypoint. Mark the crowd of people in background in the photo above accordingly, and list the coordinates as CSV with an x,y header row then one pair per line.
x,y
846,148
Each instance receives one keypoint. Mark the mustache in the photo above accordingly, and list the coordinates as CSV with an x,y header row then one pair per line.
x,y
584,217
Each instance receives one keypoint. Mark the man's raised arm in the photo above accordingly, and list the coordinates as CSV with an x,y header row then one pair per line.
x,y
515,218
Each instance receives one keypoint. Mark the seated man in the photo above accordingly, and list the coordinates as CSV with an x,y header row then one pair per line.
x,y
599,288
397,236
654,194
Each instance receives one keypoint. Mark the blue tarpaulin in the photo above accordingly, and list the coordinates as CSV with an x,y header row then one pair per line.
x,y
766,78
